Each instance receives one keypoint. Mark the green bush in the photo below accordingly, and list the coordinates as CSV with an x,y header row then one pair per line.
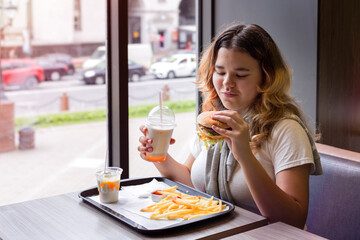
x,y
177,107
98,115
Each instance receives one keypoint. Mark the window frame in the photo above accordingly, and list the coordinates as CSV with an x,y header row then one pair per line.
x,y
117,93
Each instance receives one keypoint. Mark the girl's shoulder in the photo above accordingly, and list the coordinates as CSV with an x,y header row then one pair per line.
x,y
289,126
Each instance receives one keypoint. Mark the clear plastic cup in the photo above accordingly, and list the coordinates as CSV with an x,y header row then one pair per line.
x,y
160,124
108,183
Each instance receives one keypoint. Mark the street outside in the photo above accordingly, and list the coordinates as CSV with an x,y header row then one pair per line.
x,y
46,98
65,158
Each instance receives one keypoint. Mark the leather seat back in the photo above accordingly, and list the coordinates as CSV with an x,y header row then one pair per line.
x,y
334,204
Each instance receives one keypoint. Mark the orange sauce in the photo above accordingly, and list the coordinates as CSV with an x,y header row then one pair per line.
x,y
111,185
156,159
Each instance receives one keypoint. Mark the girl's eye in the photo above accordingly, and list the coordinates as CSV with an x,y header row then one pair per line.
x,y
220,73
241,76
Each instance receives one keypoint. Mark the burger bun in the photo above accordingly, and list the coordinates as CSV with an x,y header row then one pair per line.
x,y
205,119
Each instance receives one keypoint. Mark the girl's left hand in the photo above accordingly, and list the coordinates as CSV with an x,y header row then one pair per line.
x,y
237,137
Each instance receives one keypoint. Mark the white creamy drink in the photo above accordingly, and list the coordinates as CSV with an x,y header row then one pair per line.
x,y
161,139
160,124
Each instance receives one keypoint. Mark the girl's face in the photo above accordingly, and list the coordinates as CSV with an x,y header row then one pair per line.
x,y
236,79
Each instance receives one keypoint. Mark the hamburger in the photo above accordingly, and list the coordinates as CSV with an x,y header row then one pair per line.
x,y
205,131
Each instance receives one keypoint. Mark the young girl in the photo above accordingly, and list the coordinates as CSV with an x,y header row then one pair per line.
x,y
268,154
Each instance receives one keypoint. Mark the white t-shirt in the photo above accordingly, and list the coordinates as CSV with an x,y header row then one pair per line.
x,y
288,147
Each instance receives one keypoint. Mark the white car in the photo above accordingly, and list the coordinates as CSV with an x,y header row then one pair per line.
x,y
96,58
177,65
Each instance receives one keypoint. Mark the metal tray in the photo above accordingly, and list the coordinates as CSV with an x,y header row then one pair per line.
x,y
86,194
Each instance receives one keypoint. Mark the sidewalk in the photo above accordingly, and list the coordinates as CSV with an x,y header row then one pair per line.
x,y
65,159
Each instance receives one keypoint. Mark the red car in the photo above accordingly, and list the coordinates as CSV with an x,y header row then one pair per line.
x,y
22,72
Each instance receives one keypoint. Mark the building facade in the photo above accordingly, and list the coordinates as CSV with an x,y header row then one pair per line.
x,y
77,27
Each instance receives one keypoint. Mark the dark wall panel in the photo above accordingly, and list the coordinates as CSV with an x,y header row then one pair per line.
x,y
339,73
293,26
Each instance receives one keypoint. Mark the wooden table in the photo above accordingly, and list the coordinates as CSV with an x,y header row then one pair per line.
x,y
278,231
68,217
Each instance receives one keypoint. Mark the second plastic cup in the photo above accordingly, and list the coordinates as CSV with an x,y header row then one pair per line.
x,y
160,124
108,183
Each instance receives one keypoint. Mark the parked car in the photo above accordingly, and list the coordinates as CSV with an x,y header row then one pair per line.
x,y
176,65
21,72
136,71
61,58
53,71
96,75
96,58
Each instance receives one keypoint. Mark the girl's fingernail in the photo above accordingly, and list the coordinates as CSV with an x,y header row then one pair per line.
x,y
149,149
149,141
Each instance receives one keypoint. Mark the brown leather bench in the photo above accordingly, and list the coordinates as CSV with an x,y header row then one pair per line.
x,y
334,204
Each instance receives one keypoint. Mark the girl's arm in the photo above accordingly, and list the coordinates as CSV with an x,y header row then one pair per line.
x,y
168,168
285,200
176,171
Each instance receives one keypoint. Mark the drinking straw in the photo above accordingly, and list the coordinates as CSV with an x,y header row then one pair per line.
x,y
160,104
106,161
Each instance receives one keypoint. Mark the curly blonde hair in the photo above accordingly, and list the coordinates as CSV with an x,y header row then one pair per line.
x,y
274,100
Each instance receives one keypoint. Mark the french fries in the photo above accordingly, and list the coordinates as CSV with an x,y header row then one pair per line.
x,y
179,205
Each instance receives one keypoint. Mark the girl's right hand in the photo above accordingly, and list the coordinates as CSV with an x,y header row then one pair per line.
x,y
146,143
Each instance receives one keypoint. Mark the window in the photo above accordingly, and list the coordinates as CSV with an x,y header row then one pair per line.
x,y
56,133
159,50
141,95
53,134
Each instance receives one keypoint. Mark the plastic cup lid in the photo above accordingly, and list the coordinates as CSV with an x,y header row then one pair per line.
x,y
110,171
167,119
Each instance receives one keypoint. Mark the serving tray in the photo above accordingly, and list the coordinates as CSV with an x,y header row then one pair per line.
x,y
87,194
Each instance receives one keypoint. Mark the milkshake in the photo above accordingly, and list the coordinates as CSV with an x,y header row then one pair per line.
x,y
160,124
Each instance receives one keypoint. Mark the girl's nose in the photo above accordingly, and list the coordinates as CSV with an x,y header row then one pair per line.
x,y
228,81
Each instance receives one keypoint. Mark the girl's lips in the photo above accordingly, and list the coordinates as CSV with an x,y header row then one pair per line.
x,y
229,94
